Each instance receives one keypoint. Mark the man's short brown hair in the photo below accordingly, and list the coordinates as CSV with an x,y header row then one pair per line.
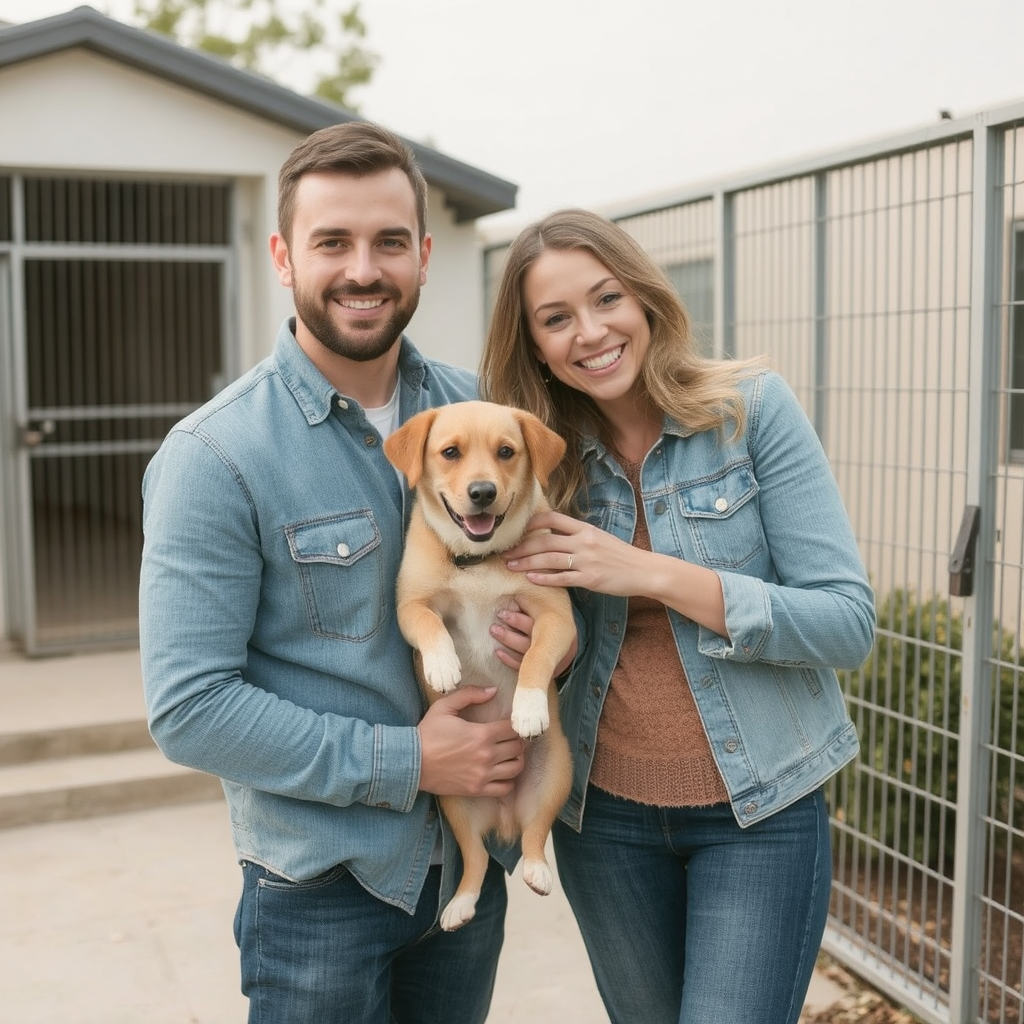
x,y
357,148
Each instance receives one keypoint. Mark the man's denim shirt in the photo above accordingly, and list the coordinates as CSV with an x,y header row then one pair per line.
x,y
763,512
271,652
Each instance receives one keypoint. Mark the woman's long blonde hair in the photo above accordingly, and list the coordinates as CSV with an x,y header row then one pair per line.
x,y
698,393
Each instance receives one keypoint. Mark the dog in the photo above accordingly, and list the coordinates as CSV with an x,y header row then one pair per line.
x,y
478,470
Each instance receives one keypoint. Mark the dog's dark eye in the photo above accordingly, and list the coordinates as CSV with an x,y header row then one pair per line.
x,y
506,452
450,453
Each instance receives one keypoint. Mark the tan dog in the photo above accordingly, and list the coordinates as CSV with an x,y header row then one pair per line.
x,y
479,470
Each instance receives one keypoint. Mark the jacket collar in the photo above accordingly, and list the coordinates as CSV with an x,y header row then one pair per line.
x,y
591,446
311,390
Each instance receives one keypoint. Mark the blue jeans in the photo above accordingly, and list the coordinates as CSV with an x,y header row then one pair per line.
x,y
689,919
326,951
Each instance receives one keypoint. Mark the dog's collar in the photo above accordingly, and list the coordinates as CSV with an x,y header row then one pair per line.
x,y
464,561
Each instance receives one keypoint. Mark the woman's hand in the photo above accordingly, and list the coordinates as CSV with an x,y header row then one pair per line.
x,y
514,635
563,552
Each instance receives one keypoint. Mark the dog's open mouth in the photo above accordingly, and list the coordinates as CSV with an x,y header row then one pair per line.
x,y
479,527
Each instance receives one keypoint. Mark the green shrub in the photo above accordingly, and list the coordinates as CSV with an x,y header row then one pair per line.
x,y
905,701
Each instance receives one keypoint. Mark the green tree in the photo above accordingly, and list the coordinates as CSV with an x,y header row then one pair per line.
x,y
274,39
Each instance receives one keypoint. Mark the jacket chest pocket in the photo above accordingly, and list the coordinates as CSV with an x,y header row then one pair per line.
x,y
724,519
341,573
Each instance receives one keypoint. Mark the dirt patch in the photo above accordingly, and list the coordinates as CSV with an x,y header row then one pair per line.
x,y
859,1005
907,912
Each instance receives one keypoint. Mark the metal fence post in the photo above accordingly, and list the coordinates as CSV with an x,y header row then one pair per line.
x,y
975,708
819,269
725,277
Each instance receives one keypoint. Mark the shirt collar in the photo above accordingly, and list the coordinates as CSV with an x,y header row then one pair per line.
x,y
311,390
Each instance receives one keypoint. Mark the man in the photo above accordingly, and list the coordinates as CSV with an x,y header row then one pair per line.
x,y
270,649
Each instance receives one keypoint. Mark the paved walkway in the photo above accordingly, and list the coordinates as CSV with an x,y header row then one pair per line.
x,y
127,919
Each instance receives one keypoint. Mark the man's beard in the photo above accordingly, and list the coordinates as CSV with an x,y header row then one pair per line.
x,y
361,343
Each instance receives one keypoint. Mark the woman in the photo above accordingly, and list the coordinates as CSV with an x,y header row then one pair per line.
x,y
702,708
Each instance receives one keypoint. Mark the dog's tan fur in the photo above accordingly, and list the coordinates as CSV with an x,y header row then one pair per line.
x,y
445,613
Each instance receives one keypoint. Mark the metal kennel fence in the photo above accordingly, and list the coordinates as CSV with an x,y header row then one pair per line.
x,y
887,284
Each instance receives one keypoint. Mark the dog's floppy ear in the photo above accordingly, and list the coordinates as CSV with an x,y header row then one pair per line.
x,y
545,446
405,447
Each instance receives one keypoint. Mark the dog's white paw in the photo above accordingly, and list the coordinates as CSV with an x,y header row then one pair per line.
x,y
441,668
529,712
537,875
461,910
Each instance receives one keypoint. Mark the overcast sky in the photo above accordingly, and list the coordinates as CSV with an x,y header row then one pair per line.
x,y
600,102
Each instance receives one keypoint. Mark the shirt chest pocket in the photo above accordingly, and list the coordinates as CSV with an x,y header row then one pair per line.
x,y
723,518
340,571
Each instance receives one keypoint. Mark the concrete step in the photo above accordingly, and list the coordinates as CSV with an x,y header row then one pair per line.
x,y
42,743
58,789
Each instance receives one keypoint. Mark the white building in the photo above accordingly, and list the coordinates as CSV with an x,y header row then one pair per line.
x,y
137,193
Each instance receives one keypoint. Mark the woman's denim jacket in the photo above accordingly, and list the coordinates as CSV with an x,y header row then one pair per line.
x,y
764,513
271,653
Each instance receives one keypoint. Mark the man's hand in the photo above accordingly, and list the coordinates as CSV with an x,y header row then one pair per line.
x,y
461,758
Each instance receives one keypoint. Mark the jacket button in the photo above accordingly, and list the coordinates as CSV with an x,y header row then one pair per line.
x,y
343,550
585,747
596,691
707,681
371,440
660,508
749,808
383,804
613,627
721,504
731,746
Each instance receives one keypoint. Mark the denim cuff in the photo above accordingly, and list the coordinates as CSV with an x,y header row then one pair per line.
x,y
748,619
396,768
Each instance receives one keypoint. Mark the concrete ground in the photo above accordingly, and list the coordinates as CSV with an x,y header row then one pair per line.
x,y
126,918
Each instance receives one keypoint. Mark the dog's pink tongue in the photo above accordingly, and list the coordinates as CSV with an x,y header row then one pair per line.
x,y
479,525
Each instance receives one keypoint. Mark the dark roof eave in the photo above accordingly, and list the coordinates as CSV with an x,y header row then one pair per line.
x,y
470,192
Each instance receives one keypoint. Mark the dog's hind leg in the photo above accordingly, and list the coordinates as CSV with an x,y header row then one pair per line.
x,y
462,906
540,799
536,870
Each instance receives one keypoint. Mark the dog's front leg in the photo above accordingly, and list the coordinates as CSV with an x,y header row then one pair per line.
x,y
425,630
550,642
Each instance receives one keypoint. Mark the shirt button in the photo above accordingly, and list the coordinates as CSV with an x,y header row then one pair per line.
x,y
660,508
343,550
384,805
596,691
721,504
371,440
342,404
731,746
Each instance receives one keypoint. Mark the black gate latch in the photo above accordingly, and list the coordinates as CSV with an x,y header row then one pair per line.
x,y
961,561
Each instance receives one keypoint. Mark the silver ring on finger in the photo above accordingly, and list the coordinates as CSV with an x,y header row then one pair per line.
x,y
569,566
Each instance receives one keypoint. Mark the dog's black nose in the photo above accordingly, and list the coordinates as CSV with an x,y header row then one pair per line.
x,y
482,493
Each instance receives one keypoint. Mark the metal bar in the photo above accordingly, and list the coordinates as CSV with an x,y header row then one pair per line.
x,y
819,269
161,253
975,705
724,276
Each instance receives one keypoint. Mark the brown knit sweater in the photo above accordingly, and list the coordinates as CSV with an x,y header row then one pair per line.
x,y
651,745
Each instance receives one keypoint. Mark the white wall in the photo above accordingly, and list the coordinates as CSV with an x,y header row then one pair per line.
x,y
77,111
